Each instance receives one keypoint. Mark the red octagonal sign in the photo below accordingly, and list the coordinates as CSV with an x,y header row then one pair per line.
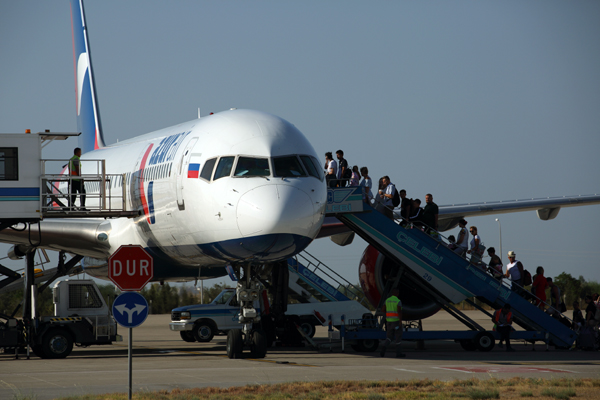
x,y
130,268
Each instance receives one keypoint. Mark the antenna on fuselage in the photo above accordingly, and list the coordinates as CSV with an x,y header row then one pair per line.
x,y
198,112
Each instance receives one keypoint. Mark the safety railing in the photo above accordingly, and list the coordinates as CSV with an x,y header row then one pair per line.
x,y
103,192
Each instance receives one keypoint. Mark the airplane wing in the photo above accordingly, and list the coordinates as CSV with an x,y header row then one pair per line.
x,y
547,208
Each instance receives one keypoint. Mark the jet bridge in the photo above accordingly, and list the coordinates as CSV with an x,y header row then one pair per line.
x,y
442,275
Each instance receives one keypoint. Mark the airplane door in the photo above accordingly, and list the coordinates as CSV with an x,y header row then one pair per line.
x,y
182,170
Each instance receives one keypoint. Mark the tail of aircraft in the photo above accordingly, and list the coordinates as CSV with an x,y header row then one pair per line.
x,y
88,114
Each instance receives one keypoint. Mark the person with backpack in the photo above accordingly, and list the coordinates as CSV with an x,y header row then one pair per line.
x,y
342,175
430,215
386,195
515,271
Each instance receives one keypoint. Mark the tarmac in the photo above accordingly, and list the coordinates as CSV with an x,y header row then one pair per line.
x,y
162,361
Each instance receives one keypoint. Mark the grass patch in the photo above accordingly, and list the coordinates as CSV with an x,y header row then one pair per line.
x,y
560,394
476,389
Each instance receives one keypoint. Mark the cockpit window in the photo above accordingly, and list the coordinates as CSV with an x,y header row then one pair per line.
x,y
310,167
288,166
224,167
248,166
207,170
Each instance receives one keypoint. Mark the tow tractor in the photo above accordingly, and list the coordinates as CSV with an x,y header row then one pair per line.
x,y
81,317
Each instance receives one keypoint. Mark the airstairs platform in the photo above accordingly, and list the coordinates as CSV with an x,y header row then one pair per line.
x,y
441,274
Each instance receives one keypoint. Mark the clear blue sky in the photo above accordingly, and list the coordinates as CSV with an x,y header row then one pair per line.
x,y
471,101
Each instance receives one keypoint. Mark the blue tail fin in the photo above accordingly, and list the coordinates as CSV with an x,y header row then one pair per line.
x,y
88,115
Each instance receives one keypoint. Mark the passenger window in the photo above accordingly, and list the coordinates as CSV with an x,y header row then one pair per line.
x,y
248,166
224,167
310,167
207,170
288,167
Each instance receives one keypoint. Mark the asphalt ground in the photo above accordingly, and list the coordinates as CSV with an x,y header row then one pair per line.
x,y
162,361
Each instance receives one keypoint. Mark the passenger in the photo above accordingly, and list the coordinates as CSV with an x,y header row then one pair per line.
x,y
393,326
554,309
463,238
76,182
538,288
578,319
405,206
514,271
590,312
367,184
387,194
354,180
503,321
451,242
342,167
476,246
430,215
495,264
416,218
378,200
331,170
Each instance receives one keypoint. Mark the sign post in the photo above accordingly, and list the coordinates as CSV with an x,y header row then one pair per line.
x,y
130,268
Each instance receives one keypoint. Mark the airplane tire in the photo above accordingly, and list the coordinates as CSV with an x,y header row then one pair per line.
x,y
187,336
204,331
57,344
484,341
259,344
235,343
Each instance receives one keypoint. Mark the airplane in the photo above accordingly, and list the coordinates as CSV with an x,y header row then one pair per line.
x,y
239,188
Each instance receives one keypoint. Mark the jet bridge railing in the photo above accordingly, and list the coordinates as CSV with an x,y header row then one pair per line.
x,y
445,276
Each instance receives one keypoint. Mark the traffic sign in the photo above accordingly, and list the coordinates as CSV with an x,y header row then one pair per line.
x,y
130,309
130,268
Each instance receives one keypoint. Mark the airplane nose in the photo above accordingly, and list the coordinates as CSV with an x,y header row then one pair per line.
x,y
276,209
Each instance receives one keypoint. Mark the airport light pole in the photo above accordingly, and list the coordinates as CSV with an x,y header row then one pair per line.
x,y
500,228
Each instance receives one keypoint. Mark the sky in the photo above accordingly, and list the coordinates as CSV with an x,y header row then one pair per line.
x,y
470,101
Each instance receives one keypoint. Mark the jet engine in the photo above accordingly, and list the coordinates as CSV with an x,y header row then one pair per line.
x,y
374,271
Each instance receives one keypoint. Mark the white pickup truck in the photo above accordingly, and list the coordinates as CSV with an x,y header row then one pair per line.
x,y
200,322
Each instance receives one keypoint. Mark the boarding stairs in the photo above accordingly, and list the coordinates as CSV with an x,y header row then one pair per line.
x,y
311,281
441,274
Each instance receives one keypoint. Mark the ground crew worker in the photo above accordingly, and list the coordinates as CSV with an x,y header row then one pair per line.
x,y
503,325
393,316
76,185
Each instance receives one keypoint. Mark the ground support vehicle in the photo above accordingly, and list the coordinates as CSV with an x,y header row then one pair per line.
x,y
81,317
201,322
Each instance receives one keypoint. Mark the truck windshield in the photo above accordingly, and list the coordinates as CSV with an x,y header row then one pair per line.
x,y
223,297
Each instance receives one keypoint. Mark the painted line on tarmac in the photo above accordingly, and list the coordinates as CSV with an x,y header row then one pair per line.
x,y
505,369
544,362
409,370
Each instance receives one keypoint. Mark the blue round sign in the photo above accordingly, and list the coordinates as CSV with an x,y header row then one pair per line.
x,y
130,309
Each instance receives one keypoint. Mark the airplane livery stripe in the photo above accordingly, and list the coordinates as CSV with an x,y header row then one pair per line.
x,y
142,194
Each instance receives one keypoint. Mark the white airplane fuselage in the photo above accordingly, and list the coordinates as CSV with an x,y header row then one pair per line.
x,y
267,207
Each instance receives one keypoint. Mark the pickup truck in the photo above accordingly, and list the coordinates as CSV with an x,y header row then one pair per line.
x,y
201,322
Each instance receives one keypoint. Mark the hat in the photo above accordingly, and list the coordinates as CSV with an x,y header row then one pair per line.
x,y
511,253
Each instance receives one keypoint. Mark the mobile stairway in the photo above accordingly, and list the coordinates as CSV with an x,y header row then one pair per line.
x,y
440,274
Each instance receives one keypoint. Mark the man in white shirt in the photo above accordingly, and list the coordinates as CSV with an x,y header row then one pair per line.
x,y
387,194
514,271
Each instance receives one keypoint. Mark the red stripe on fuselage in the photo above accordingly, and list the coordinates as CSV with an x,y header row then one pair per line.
x,y
142,193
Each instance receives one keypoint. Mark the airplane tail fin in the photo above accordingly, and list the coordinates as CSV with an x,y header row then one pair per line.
x,y
88,114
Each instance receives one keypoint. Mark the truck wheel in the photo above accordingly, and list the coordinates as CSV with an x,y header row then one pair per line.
x,y
57,344
368,345
234,343
187,336
484,341
259,344
308,328
204,331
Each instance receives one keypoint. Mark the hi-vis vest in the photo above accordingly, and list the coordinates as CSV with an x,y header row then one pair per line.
x,y
72,169
391,309
501,319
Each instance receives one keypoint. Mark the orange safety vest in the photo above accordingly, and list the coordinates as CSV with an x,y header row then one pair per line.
x,y
498,314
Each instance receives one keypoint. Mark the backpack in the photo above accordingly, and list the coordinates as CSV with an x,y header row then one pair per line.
x,y
526,278
396,198
347,174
